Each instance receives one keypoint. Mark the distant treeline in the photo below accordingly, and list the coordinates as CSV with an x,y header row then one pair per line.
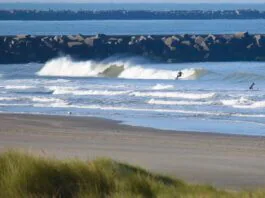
x,y
51,15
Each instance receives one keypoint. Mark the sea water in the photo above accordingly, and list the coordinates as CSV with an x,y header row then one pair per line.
x,y
208,97
128,27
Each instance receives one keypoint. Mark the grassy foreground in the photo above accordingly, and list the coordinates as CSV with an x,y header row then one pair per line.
x,y
22,175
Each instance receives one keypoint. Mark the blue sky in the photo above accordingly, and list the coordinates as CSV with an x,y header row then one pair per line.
x,y
138,1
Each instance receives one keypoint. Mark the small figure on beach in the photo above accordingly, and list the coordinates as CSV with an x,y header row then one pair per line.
x,y
252,86
179,75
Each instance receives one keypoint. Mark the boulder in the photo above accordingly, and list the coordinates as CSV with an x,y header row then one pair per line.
x,y
74,44
172,42
57,38
77,37
241,35
260,40
93,41
71,38
201,43
210,39
22,36
80,37
142,38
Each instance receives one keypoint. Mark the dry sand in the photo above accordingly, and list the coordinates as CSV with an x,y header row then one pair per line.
x,y
225,161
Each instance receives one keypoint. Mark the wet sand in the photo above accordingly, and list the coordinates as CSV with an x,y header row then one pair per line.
x,y
225,161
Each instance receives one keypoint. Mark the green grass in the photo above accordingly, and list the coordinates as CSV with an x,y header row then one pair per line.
x,y
22,175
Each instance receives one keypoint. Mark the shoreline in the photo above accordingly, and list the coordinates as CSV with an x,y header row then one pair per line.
x,y
224,161
120,123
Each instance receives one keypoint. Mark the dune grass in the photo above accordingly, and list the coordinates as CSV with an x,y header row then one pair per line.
x,y
23,175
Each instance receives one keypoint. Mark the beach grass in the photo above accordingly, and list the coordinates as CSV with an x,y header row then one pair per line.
x,y
25,175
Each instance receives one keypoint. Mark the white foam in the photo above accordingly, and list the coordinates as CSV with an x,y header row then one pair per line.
x,y
9,105
192,96
19,87
8,98
244,103
78,92
49,102
166,102
249,115
162,87
46,100
66,67
53,105
254,105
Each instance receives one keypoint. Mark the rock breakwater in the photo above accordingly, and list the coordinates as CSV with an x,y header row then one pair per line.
x,y
166,48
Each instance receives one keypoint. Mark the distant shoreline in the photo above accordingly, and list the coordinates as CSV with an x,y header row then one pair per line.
x,y
123,14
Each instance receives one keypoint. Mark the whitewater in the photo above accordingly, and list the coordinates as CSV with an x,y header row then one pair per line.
x,y
208,97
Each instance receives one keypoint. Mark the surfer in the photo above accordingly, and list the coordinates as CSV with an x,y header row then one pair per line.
x,y
252,86
179,75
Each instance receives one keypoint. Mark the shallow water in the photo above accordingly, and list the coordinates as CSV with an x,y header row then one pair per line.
x,y
209,97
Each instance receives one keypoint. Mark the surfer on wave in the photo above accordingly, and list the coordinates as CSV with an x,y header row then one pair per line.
x,y
179,75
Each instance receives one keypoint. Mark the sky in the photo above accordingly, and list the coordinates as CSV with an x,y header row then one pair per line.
x,y
136,1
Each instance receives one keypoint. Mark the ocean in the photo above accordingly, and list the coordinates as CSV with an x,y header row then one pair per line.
x,y
121,27
209,97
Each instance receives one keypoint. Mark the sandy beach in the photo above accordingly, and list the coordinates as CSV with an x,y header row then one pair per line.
x,y
225,161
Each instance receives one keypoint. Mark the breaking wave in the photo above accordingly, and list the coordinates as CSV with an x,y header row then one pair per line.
x,y
116,67
113,69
